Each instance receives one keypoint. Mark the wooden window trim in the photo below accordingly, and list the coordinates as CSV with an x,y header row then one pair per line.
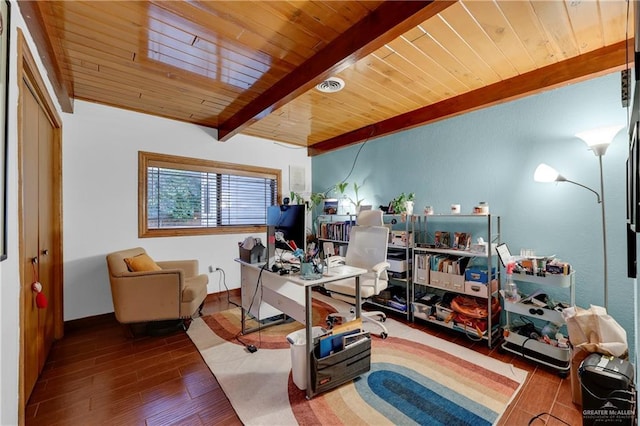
x,y
147,159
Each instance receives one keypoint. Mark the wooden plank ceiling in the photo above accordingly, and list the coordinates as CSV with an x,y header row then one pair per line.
x,y
252,66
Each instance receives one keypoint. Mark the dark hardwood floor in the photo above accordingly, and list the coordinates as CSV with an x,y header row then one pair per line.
x,y
98,374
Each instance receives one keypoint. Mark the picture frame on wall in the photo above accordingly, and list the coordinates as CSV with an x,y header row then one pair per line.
x,y
5,28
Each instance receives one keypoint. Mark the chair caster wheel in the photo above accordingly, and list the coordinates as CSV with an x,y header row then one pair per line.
x,y
383,335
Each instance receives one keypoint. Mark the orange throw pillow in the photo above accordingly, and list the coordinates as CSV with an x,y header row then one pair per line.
x,y
141,263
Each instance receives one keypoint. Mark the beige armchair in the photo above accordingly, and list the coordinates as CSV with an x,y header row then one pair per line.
x,y
147,291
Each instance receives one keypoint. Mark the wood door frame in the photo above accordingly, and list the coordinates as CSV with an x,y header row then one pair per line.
x,y
29,79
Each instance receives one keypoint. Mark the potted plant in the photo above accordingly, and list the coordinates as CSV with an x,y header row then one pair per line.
x,y
409,202
402,204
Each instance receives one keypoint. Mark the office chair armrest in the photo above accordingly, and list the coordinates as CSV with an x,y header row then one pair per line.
x,y
336,261
380,267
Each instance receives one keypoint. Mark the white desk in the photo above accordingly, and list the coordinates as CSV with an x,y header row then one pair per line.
x,y
288,294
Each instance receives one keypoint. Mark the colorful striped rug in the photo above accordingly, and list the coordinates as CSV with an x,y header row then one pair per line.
x,y
415,378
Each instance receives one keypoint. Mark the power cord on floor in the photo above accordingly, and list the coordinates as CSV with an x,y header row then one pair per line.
x,y
223,277
251,347
533,419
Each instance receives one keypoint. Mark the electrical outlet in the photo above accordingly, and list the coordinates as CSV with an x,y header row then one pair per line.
x,y
211,268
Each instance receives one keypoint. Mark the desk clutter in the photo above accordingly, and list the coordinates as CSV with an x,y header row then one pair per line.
x,y
528,263
541,266
340,337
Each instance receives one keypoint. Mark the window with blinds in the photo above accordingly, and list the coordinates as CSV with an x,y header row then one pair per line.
x,y
190,196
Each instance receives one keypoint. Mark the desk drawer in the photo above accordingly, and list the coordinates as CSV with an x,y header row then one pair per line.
x,y
285,296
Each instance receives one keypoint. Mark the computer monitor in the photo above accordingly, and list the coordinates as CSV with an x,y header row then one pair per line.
x,y
285,223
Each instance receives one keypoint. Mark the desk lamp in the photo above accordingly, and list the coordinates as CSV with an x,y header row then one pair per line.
x,y
598,140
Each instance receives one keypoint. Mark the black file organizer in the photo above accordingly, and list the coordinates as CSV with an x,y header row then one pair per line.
x,y
340,367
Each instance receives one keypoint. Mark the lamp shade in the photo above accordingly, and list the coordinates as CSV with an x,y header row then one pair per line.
x,y
546,173
599,139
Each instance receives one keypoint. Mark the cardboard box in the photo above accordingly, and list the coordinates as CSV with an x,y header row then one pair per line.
x,y
421,267
577,356
446,281
421,276
474,288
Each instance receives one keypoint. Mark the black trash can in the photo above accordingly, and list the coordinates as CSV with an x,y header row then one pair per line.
x,y
608,394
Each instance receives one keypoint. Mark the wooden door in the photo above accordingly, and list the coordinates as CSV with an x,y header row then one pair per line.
x,y
40,221
33,341
37,148
46,227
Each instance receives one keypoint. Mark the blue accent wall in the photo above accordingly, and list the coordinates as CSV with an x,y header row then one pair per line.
x,y
490,155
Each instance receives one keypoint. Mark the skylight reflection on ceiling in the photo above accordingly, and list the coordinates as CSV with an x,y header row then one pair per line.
x,y
167,43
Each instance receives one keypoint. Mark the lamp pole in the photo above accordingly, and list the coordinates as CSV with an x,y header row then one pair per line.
x,y
604,237
598,140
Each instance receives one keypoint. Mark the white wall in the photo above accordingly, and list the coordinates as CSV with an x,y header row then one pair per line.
x,y
100,175
9,269
100,148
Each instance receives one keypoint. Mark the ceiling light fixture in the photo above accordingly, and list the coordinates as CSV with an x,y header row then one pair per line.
x,y
331,85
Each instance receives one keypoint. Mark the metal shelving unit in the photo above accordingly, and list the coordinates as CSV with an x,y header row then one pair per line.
x,y
396,298
426,281
531,348
334,229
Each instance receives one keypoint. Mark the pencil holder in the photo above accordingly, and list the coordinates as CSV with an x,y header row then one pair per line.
x,y
310,271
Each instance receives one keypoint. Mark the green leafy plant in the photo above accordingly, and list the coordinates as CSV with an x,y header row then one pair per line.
x,y
296,198
357,200
399,204
316,199
341,187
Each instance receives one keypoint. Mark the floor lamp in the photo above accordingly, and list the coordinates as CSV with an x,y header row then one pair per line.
x,y
598,140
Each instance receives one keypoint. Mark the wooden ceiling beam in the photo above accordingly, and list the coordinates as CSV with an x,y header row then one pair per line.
x,y
589,65
389,21
35,23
